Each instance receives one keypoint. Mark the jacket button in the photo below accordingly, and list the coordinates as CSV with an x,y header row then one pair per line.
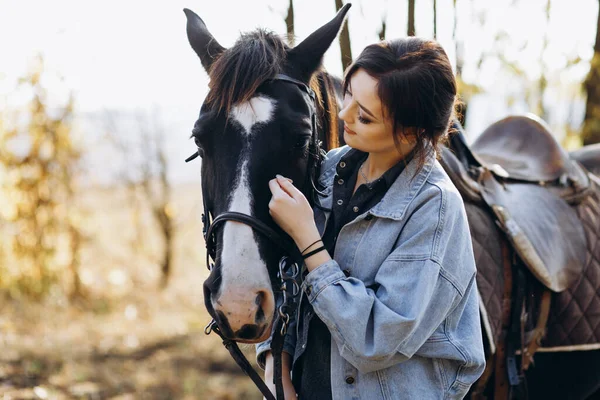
x,y
340,181
349,380
355,209
342,165
340,202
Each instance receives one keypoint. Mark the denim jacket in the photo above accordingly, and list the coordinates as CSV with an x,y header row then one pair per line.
x,y
400,297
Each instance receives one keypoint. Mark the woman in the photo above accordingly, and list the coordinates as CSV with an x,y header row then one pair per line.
x,y
389,308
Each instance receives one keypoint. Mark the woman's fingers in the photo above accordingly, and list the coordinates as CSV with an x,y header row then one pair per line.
x,y
288,187
276,189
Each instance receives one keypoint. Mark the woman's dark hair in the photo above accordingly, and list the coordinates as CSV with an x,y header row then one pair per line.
x,y
416,86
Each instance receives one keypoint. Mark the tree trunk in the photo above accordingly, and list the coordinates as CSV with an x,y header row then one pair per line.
x,y
543,81
591,123
411,18
166,227
435,19
344,39
289,23
461,108
381,32
76,287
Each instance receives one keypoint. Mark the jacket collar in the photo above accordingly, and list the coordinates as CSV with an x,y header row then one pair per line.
x,y
402,192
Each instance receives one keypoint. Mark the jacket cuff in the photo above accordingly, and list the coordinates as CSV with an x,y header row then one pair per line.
x,y
262,348
321,277
261,352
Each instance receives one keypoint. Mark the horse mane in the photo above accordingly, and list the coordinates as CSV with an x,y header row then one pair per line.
x,y
323,85
259,56
234,77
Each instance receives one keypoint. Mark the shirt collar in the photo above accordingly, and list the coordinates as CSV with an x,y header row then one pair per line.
x,y
353,159
405,188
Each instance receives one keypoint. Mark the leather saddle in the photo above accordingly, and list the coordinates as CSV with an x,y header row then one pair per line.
x,y
531,184
589,157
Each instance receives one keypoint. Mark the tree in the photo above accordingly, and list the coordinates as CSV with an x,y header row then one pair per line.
x,y
345,48
543,80
381,32
147,179
411,18
435,19
38,155
591,123
289,23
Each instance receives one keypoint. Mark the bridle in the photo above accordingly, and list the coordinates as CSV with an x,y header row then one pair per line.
x,y
289,269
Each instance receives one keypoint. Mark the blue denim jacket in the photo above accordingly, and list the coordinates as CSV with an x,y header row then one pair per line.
x,y
405,322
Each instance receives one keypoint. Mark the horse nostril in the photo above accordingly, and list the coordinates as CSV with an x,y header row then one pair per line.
x,y
260,313
259,298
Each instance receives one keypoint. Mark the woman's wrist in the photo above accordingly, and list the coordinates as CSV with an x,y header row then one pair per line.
x,y
307,237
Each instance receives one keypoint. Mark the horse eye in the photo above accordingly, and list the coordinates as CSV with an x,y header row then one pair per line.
x,y
302,142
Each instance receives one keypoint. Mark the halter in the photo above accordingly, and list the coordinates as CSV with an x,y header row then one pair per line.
x,y
288,265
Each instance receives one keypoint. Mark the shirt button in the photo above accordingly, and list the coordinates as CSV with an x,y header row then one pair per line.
x,y
309,290
355,209
349,380
369,217
341,182
340,202
342,164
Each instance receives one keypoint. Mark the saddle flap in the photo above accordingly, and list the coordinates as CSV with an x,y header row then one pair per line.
x,y
544,230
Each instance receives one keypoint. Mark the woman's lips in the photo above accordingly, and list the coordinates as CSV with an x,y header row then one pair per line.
x,y
351,132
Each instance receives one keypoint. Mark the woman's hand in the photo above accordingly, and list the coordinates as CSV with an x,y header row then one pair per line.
x,y
292,212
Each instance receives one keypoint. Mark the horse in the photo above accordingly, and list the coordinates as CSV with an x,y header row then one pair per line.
x,y
534,215
268,109
259,120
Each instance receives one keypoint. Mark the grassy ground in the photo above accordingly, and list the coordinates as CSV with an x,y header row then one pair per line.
x,y
126,339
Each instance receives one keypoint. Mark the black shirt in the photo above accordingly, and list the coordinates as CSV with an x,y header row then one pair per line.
x,y
311,373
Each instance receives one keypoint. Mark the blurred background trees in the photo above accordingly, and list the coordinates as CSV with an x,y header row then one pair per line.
x,y
96,202
591,125
39,162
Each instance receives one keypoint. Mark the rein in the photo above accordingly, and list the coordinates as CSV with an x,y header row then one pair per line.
x,y
288,265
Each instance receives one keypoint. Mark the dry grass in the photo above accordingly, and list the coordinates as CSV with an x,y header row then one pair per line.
x,y
127,339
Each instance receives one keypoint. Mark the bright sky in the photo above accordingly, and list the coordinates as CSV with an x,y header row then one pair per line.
x,y
134,54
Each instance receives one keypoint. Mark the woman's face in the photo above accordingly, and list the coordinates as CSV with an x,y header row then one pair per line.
x,y
366,127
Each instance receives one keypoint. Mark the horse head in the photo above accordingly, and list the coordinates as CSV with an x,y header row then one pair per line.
x,y
265,106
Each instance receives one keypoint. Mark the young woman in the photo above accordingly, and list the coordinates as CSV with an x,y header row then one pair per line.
x,y
389,308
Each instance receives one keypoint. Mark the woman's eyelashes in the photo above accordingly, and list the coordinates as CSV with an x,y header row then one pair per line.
x,y
363,120
360,118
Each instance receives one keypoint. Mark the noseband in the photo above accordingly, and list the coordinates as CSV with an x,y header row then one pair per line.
x,y
288,265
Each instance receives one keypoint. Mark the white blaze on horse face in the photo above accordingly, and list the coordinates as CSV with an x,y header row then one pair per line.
x,y
243,272
255,111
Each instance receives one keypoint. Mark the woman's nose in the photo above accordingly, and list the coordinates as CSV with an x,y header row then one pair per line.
x,y
344,113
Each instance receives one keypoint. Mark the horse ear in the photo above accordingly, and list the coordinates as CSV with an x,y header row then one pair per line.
x,y
202,41
308,55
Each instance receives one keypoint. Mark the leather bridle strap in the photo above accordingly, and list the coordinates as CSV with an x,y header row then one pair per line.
x,y
286,245
243,363
290,291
